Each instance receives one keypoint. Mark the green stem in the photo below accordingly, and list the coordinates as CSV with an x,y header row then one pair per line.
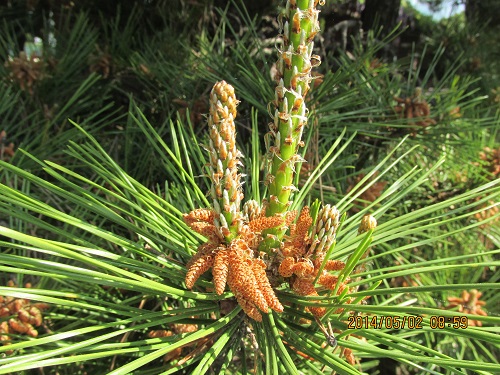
x,y
294,73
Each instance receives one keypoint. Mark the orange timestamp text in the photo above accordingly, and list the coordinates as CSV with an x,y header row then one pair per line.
x,y
385,322
406,321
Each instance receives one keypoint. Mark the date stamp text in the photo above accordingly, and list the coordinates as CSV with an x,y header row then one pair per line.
x,y
406,322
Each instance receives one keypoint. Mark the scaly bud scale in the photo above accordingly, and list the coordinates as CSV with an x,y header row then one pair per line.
x,y
224,159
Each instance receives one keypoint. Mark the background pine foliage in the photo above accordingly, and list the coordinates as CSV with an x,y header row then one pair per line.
x,y
91,213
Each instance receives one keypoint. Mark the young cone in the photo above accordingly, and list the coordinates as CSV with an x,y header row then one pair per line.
x,y
226,189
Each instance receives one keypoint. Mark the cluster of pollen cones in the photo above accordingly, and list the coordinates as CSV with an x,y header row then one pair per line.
x,y
234,233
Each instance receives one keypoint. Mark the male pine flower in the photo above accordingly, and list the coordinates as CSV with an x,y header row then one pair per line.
x,y
304,254
232,236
